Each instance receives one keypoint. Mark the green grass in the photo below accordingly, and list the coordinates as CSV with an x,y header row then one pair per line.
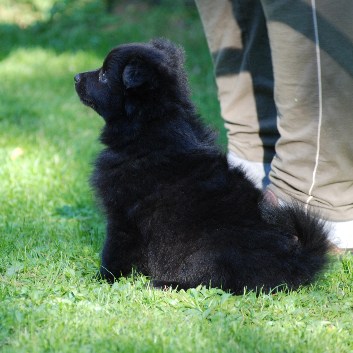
x,y
51,231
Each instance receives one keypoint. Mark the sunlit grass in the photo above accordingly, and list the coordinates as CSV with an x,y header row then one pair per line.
x,y
24,13
38,110
51,232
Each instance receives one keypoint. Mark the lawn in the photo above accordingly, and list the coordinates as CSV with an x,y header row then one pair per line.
x,y
51,231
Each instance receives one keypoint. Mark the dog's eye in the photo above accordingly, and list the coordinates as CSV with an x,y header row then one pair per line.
x,y
103,77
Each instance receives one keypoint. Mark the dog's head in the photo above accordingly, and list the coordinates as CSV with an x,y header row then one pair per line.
x,y
135,79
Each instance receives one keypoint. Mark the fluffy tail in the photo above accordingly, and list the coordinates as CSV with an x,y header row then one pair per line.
x,y
309,254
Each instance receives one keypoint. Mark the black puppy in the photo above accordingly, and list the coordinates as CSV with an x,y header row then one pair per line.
x,y
175,211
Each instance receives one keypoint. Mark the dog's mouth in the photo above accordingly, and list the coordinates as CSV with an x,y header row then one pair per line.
x,y
88,102
82,95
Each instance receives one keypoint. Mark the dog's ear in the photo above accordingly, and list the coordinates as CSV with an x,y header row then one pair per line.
x,y
137,74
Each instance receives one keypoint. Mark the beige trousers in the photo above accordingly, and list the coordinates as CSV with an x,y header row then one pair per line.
x,y
284,71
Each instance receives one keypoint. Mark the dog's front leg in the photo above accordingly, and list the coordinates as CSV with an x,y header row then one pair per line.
x,y
120,253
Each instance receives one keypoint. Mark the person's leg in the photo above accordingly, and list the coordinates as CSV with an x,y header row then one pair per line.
x,y
312,53
237,38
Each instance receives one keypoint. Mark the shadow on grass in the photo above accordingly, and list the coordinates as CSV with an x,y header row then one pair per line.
x,y
75,212
87,25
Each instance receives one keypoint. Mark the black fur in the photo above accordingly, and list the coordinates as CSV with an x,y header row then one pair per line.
x,y
174,209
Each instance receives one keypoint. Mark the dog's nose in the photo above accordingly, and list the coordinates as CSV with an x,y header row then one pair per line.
x,y
77,78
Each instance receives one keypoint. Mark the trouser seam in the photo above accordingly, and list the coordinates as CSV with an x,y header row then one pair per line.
x,y
318,141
